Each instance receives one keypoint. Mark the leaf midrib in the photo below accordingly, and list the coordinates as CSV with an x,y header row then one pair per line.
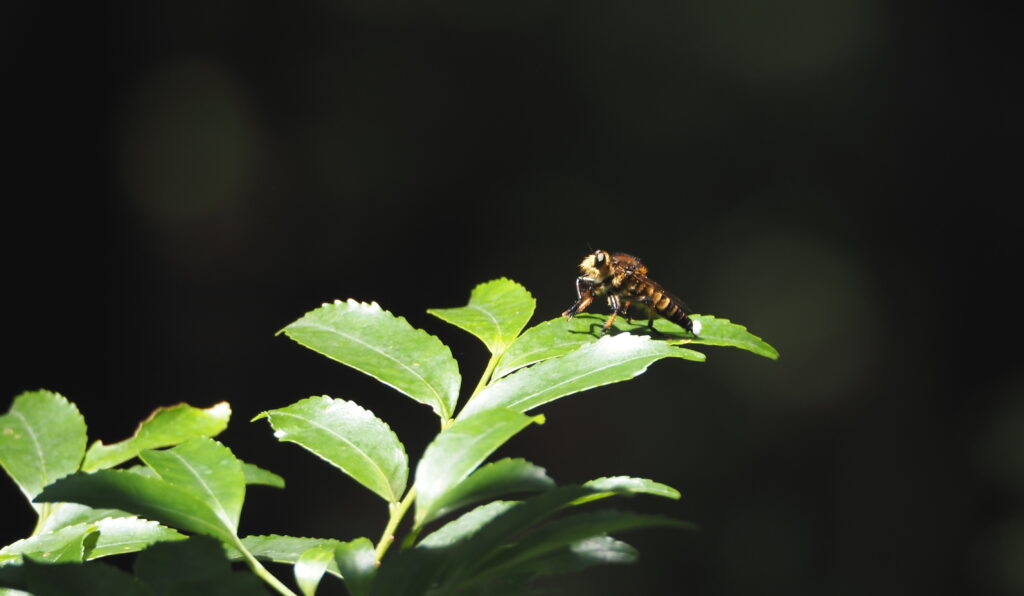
x,y
438,397
373,463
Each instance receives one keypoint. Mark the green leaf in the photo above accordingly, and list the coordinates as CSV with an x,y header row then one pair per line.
x,y
497,312
152,498
626,485
386,347
206,469
349,437
257,475
282,549
310,568
597,550
562,533
42,439
723,332
73,579
358,565
472,552
165,427
609,360
67,545
122,535
69,514
193,567
457,451
490,481
558,337
111,536
549,339
465,525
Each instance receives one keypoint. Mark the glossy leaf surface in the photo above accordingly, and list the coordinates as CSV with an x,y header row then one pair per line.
x,y
164,427
349,437
384,346
42,439
152,498
490,481
496,314
609,360
206,469
458,450
358,565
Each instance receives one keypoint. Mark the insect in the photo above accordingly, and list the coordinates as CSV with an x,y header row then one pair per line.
x,y
623,279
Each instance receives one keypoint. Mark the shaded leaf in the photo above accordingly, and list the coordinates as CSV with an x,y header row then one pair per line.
x,y
310,568
626,485
152,498
257,475
490,481
562,533
282,549
386,347
206,469
74,579
496,314
194,567
458,450
349,437
163,428
609,360
465,525
42,439
358,565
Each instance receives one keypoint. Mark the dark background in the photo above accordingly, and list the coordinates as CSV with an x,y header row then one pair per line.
x,y
183,179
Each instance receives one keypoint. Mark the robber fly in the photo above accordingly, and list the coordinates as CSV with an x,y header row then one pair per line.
x,y
623,279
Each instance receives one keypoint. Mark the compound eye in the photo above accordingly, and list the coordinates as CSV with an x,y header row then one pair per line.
x,y
599,259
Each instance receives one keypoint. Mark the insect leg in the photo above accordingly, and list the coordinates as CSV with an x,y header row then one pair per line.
x,y
585,295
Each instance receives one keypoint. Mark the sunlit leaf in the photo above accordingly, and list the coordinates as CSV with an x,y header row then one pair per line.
x,y
384,346
609,360
310,568
66,545
490,481
349,437
558,337
497,312
42,439
283,549
257,475
207,469
152,498
358,565
458,450
111,536
165,427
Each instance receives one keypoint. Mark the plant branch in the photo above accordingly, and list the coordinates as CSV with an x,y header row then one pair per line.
x,y
262,571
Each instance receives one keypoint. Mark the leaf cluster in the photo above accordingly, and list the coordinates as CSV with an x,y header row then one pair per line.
x,y
477,527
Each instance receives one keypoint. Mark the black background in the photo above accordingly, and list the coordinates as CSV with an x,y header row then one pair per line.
x,y
183,179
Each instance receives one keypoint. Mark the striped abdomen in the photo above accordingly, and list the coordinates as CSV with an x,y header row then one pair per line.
x,y
636,288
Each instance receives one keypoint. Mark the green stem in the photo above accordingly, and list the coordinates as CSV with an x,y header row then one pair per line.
x,y
261,571
397,513
485,378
